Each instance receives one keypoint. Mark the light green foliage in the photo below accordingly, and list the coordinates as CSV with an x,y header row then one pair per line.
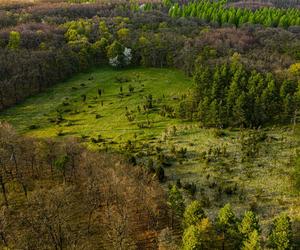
x,y
192,238
249,223
193,214
123,34
253,241
104,31
199,236
134,5
77,30
280,236
14,40
226,223
114,50
226,218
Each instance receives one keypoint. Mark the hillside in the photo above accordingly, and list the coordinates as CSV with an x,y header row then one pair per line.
x,y
213,159
132,125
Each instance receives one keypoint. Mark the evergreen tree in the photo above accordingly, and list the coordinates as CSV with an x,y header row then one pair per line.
x,y
252,242
240,110
176,202
280,236
226,223
248,224
199,236
193,214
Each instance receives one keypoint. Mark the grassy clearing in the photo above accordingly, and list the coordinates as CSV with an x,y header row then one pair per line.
x,y
263,183
89,118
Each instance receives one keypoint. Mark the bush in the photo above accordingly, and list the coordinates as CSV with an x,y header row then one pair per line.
x,y
59,132
191,188
160,173
33,126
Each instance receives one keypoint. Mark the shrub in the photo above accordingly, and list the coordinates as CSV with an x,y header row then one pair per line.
x,y
160,173
33,126
191,188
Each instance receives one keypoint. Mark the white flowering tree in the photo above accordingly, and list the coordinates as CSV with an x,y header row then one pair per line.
x,y
118,55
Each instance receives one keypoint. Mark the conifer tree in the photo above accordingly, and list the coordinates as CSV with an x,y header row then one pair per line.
x,y
226,223
280,236
193,214
176,202
252,242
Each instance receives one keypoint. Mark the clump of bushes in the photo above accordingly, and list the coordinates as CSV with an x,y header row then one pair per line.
x,y
191,188
33,126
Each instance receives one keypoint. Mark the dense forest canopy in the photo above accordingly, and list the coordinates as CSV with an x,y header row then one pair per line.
x,y
218,13
228,124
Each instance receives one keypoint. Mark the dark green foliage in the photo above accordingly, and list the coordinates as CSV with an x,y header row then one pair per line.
x,y
150,166
131,159
250,143
176,201
61,164
130,88
230,95
160,173
149,102
83,98
191,188
216,13
33,126
178,183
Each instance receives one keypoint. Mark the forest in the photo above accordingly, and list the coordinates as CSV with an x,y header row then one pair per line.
x,y
149,124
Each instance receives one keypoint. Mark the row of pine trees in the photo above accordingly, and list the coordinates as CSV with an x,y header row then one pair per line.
x,y
231,95
217,12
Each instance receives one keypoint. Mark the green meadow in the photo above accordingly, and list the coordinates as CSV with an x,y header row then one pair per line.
x,y
103,115
76,108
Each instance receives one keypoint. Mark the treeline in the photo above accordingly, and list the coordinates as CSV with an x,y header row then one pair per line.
x,y
58,13
24,73
215,12
36,55
230,95
226,230
59,195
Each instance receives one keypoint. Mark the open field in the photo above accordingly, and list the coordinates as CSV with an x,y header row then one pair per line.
x,y
262,183
101,115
